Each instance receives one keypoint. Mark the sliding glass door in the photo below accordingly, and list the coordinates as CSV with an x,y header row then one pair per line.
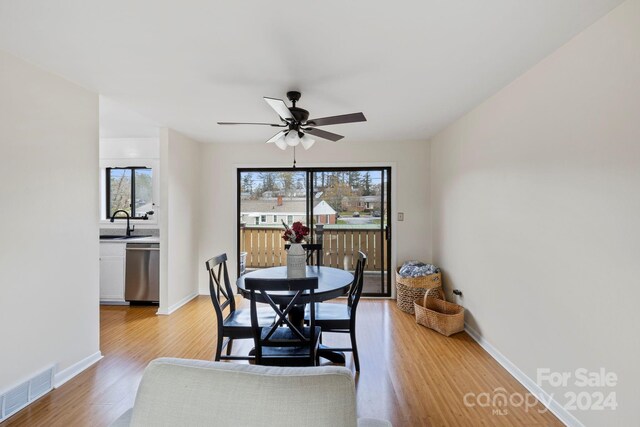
x,y
266,199
347,210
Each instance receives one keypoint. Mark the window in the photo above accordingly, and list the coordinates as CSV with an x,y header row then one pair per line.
x,y
275,218
263,218
129,189
289,219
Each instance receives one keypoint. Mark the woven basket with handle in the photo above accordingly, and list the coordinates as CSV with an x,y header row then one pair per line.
x,y
410,289
439,315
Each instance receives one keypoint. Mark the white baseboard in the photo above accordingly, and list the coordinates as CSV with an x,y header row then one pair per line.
x,y
177,305
65,375
543,397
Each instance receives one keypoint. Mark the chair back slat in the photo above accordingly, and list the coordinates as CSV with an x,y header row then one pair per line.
x,y
305,283
220,286
314,250
355,291
283,317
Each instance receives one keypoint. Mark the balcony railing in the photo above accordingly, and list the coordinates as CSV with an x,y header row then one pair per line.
x,y
265,248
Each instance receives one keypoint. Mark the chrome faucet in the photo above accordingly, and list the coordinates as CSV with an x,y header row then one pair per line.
x,y
129,229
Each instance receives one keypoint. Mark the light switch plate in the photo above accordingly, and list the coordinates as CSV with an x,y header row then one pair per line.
x,y
400,216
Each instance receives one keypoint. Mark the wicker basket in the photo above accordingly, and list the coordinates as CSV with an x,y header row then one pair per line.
x,y
439,315
413,288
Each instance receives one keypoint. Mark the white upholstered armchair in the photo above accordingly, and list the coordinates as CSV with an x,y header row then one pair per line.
x,y
181,392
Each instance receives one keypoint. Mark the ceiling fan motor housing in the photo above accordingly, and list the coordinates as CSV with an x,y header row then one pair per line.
x,y
299,114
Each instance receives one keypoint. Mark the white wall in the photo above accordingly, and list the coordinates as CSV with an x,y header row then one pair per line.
x,y
179,219
536,213
48,222
409,160
125,152
130,149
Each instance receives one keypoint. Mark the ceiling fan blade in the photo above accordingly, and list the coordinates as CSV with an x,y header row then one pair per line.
x,y
280,107
280,125
336,120
276,136
324,134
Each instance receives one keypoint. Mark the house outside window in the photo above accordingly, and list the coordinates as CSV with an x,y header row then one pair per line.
x,y
263,219
289,219
275,218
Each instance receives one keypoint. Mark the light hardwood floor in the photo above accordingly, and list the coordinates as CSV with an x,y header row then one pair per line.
x,y
409,375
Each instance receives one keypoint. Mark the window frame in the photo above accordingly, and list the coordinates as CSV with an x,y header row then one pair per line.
x,y
133,188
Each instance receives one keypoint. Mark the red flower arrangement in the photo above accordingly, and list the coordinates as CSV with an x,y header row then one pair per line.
x,y
297,233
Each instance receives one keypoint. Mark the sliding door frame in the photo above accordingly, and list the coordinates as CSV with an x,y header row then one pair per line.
x,y
386,190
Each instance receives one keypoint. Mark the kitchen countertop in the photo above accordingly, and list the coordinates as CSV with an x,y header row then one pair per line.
x,y
153,239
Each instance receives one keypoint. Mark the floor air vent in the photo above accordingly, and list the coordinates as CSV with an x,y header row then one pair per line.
x,y
20,396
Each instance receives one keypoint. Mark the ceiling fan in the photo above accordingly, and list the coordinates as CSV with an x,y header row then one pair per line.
x,y
296,125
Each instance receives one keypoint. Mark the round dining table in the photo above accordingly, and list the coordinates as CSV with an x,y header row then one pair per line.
x,y
332,283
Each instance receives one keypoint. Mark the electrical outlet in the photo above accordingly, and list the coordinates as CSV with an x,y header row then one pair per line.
x,y
400,216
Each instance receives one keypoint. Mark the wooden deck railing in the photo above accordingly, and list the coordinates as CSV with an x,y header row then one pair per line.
x,y
265,247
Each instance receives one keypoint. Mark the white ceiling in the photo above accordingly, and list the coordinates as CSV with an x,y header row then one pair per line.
x,y
411,66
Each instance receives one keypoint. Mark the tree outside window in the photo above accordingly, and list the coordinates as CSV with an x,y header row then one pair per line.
x,y
129,189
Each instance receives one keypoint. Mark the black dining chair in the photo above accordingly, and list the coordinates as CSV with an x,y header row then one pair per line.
x,y
341,318
289,344
314,253
237,323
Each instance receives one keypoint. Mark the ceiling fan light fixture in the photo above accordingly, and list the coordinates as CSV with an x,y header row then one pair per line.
x,y
280,143
307,141
292,139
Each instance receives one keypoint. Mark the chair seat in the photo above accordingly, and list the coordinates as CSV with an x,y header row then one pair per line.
x,y
330,311
282,354
285,352
241,318
283,336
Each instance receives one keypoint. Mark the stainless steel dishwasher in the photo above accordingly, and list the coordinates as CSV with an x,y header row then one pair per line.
x,y
142,276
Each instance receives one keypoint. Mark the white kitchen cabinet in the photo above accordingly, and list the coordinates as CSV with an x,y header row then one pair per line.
x,y
112,271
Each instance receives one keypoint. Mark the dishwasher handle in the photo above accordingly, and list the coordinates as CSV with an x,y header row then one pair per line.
x,y
143,249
